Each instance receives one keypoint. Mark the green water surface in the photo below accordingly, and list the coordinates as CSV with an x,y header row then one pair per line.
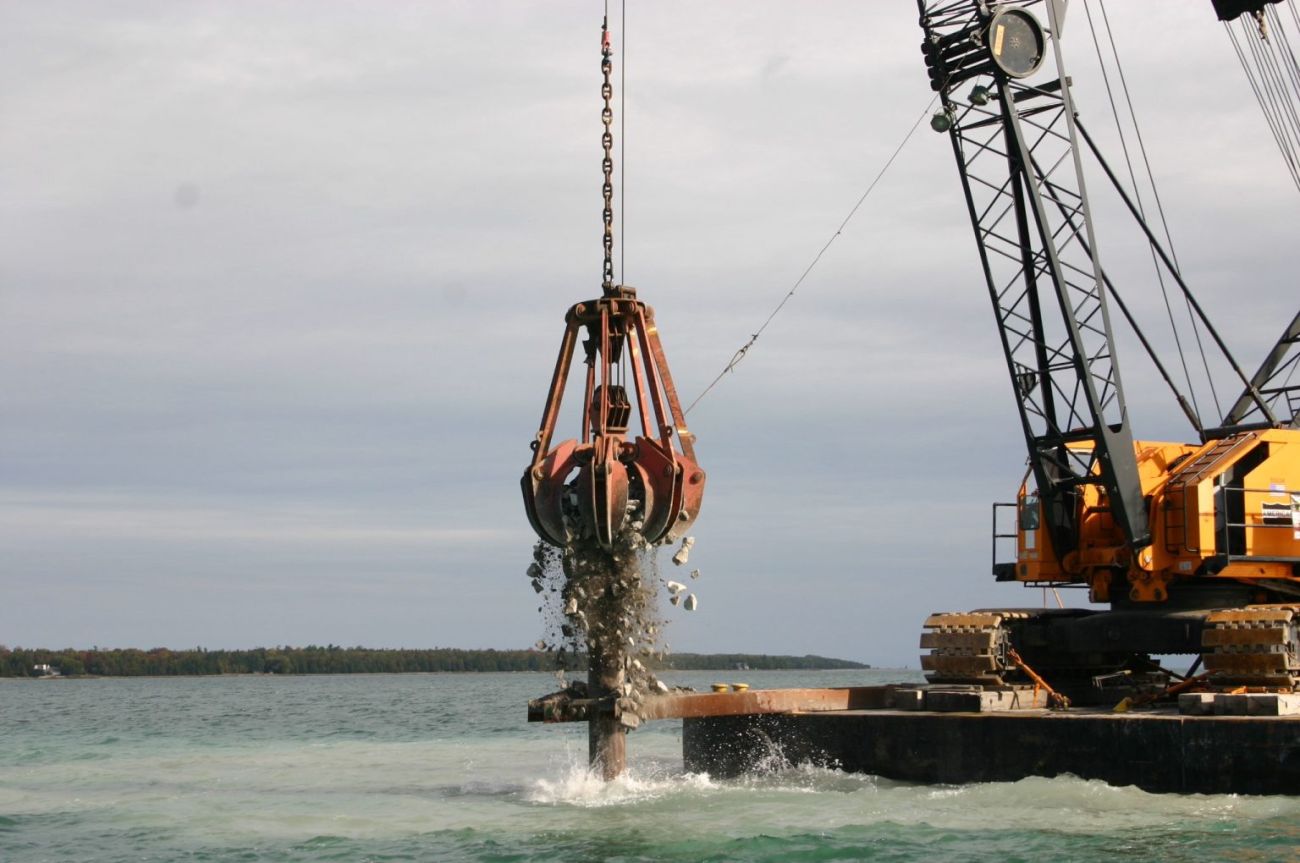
x,y
443,767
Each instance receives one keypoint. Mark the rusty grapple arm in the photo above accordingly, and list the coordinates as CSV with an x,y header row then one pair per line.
x,y
597,486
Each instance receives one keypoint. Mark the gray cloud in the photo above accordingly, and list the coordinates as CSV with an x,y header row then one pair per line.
x,y
281,288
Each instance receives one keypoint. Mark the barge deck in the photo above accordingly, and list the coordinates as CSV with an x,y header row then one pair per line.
x,y
1209,743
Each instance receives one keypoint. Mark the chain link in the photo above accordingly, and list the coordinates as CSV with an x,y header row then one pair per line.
x,y
607,141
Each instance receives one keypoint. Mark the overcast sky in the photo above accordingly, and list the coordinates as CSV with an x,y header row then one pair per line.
x,y
282,284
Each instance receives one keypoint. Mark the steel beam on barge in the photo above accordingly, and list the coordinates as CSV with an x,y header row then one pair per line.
x,y
559,707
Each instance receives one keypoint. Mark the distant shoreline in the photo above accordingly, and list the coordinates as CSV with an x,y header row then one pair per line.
x,y
333,659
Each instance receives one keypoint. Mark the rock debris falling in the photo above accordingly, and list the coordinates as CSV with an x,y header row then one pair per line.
x,y
605,603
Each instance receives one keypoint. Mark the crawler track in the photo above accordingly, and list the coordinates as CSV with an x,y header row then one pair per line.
x,y
1258,645
968,647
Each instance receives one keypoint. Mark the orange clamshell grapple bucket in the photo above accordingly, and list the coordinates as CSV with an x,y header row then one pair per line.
x,y
602,484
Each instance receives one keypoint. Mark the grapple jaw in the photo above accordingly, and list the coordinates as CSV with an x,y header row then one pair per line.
x,y
671,489
600,485
545,487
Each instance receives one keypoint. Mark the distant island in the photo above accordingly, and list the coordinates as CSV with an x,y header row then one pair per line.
x,y
332,659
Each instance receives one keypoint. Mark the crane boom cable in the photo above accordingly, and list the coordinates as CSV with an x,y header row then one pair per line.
x,y
1142,147
1151,179
1128,162
1187,292
1286,52
1192,415
1275,87
1268,102
1169,240
744,349
1257,87
1278,52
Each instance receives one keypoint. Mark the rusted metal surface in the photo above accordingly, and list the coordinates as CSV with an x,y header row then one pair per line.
x,y
1054,698
567,707
595,485
757,701
606,736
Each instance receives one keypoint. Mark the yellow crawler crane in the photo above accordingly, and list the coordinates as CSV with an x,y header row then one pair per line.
x,y
1195,547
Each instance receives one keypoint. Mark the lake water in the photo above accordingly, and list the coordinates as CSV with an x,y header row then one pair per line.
x,y
443,767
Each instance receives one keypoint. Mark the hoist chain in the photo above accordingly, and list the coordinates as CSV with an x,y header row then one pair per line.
x,y
607,141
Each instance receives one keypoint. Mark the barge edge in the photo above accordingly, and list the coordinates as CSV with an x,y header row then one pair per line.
x,y
1158,752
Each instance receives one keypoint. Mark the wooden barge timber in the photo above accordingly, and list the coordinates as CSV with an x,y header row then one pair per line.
x,y
1210,743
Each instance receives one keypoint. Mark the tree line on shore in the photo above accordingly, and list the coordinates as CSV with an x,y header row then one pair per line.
x,y
333,659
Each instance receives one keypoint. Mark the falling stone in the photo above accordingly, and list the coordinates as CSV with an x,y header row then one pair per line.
x,y
695,573
675,598
691,603
684,553
534,571
571,607
537,586
676,586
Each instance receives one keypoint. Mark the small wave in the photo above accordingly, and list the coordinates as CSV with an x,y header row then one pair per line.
x,y
481,788
580,786
1067,792
809,778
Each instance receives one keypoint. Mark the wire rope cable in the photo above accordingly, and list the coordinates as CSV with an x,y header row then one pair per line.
x,y
1279,69
1265,97
1286,52
1280,105
1137,191
744,349
1169,240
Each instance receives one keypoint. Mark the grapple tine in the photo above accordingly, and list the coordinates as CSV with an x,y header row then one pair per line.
x,y
692,496
659,478
606,500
